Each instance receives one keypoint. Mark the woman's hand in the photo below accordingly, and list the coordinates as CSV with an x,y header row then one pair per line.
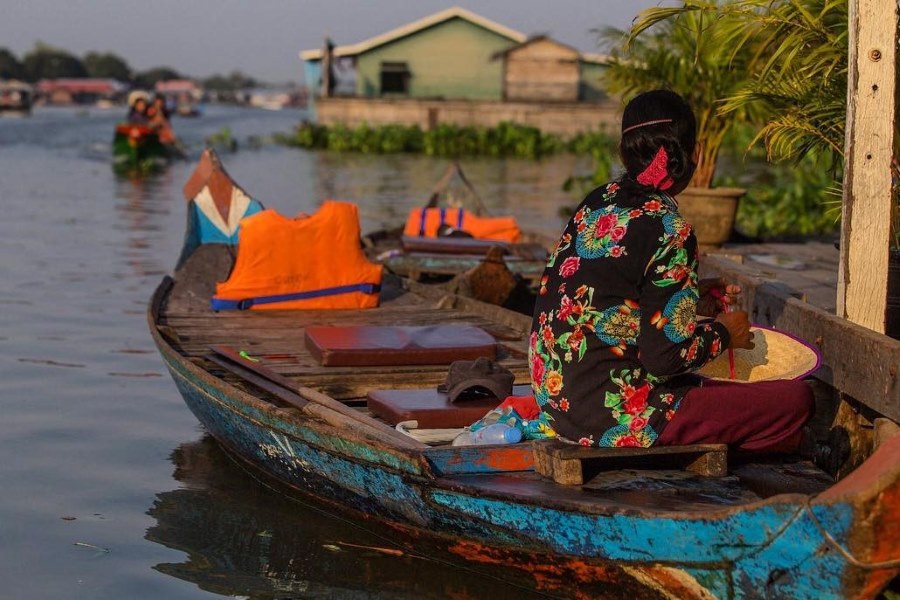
x,y
716,296
738,328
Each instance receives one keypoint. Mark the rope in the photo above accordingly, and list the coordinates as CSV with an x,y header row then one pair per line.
x,y
886,564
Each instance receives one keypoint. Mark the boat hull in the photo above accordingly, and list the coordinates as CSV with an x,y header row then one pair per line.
x,y
773,548
137,147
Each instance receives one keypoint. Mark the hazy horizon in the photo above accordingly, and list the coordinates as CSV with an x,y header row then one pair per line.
x,y
200,38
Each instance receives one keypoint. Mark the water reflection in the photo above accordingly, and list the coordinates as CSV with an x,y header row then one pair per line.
x,y
386,187
83,251
142,203
241,538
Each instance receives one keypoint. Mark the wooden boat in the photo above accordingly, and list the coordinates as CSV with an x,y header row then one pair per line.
x,y
15,98
766,528
423,258
138,148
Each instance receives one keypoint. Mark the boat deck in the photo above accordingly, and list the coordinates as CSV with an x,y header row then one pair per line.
x,y
276,339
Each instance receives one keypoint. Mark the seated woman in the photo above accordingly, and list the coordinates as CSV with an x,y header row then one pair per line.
x,y
158,116
615,338
137,113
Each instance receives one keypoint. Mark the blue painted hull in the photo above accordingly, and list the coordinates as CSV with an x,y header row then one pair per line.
x,y
774,548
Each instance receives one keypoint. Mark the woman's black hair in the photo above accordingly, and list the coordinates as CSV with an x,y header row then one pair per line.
x,y
676,131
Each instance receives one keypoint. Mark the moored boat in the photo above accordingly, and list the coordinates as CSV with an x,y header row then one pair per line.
x,y
15,98
766,528
452,238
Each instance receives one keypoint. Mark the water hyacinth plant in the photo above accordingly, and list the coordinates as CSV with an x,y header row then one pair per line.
x,y
445,140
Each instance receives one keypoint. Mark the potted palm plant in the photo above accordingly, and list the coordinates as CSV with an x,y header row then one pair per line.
x,y
680,51
798,85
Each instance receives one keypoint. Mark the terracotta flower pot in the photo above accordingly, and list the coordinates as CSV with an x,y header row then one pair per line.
x,y
711,212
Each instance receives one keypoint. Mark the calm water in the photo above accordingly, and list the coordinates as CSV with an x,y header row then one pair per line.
x,y
110,488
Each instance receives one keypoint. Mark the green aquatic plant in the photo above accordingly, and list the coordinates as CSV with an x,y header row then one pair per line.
x,y
680,51
223,139
507,139
796,54
799,67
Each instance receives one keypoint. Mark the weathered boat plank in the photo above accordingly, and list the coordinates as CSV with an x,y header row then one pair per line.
x,y
571,464
301,397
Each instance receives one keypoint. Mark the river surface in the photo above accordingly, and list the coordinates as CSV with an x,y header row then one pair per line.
x,y
110,487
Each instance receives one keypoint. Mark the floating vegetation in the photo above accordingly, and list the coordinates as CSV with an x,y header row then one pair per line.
x,y
223,140
453,141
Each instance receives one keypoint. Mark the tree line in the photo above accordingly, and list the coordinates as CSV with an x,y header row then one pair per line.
x,y
48,62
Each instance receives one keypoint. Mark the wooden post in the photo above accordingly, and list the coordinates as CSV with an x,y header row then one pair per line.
x,y
865,226
327,74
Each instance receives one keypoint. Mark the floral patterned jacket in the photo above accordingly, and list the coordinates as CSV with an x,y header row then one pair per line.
x,y
615,335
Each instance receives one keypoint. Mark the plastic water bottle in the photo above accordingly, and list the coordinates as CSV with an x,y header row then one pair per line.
x,y
498,433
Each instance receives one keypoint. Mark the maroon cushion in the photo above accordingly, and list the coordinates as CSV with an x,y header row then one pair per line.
x,y
431,408
374,345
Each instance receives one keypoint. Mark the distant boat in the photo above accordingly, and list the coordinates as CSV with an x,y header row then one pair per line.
x,y
15,98
138,148
187,110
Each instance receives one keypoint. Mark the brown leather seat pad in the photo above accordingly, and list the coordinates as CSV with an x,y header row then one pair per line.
x,y
431,408
373,345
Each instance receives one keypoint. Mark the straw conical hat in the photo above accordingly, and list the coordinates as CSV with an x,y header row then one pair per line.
x,y
138,94
776,355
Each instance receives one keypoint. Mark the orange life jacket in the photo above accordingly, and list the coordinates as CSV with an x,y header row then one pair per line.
x,y
426,221
310,262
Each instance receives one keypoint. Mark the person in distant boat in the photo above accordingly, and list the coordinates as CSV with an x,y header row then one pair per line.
x,y
615,339
158,116
137,112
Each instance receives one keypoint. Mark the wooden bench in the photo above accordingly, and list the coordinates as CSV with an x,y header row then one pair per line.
x,y
570,464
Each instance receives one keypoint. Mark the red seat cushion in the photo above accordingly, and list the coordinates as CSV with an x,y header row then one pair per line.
x,y
373,345
431,408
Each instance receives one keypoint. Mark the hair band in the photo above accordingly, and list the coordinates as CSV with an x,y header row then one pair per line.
x,y
645,124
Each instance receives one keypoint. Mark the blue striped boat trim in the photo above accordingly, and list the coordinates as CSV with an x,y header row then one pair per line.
x,y
246,303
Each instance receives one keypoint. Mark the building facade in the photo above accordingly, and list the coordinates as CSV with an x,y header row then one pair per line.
x,y
454,66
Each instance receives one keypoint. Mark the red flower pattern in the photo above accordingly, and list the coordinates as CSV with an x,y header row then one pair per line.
x,y
537,368
628,441
564,337
569,266
636,401
576,338
605,224
565,308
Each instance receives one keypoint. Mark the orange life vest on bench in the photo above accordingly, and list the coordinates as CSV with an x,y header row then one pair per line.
x,y
426,221
309,262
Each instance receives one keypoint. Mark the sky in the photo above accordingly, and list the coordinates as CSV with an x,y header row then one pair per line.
x,y
262,38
